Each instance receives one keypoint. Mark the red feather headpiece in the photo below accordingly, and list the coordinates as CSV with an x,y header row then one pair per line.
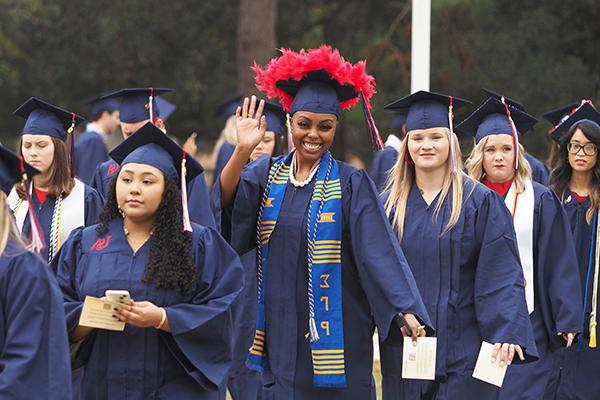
x,y
292,65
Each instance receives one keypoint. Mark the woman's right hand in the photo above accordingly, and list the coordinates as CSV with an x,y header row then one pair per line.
x,y
250,124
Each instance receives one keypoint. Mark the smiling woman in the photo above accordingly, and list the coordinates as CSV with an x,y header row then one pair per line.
x,y
320,234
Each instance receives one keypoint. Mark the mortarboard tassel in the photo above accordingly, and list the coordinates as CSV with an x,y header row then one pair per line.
x,y
187,226
376,141
37,244
453,166
72,144
150,108
514,133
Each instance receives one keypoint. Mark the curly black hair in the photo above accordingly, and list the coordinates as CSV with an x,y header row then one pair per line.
x,y
170,264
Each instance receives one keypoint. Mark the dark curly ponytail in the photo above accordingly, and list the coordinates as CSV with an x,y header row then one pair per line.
x,y
170,264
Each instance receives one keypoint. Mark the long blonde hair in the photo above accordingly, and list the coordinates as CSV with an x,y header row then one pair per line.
x,y
400,180
8,228
228,134
474,165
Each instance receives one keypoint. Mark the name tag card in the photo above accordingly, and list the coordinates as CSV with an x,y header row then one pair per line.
x,y
418,362
486,370
98,313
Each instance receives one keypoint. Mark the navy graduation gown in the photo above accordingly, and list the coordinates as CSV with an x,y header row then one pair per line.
x,y
244,383
557,296
377,283
198,197
92,209
471,281
34,350
382,162
539,170
225,153
188,363
90,151
577,371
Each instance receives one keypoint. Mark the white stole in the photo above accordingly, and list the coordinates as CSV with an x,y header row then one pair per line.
x,y
73,206
523,212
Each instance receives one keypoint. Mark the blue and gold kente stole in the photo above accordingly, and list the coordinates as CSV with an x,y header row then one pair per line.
x,y
324,264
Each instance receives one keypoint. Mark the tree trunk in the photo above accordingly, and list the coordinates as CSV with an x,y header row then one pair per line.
x,y
256,39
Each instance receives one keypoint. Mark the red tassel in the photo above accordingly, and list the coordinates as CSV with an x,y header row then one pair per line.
x,y
37,238
514,134
376,141
187,226
407,158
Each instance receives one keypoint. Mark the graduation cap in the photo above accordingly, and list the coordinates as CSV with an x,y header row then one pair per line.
x,y
426,110
491,119
14,169
228,107
321,81
556,116
511,102
43,118
138,104
99,105
585,111
275,116
151,146
165,108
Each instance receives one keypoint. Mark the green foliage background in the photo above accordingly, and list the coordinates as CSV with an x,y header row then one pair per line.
x,y
542,53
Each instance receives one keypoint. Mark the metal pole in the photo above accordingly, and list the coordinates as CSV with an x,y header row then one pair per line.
x,y
420,45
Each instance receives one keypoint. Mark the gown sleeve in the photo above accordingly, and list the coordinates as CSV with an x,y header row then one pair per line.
x,y
93,206
239,218
500,306
198,198
557,261
34,362
201,335
383,270
90,152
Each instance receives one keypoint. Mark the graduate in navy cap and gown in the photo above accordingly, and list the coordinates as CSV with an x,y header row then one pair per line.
x,y
555,117
328,267
34,350
61,202
245,383
226,143
460,244
182,279
90,146
546,249
384,160
576,182
539,170
139,106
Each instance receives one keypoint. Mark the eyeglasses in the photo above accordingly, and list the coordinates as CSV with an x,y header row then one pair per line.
x,y
589,149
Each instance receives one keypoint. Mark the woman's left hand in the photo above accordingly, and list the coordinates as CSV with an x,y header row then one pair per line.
x,y
142,314
506,352
568,337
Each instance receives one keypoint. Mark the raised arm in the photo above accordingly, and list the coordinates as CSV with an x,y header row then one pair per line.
x,y
251,127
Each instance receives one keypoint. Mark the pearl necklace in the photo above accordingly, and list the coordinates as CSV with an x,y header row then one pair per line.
x,y
305,182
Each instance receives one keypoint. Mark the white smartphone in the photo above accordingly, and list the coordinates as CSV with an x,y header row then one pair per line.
x,y
118,296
